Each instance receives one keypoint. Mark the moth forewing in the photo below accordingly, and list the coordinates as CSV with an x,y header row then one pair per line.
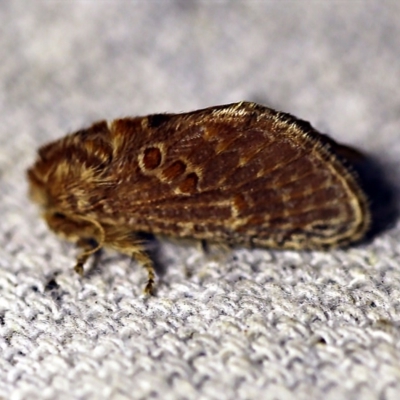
x,y
241,174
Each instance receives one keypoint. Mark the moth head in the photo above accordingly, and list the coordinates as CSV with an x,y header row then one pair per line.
x,y
67,170
39,178
50,176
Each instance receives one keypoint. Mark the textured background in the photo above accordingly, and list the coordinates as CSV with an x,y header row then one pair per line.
x,y
243,325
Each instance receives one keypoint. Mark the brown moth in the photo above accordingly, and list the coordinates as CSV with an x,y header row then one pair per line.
x,y
240,174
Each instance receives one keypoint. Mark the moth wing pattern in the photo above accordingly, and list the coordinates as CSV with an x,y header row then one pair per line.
x,y
242,174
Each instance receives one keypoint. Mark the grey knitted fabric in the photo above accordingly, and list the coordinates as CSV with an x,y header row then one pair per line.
x,y
240,324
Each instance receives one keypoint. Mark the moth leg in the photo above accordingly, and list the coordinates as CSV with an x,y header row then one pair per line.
x,y
143,258
88,247
129,244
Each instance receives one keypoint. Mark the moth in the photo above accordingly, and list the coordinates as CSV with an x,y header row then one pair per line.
x,y
240,174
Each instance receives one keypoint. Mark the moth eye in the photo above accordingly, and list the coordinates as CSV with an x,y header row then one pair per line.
x,y
151,158
59,215
189,184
